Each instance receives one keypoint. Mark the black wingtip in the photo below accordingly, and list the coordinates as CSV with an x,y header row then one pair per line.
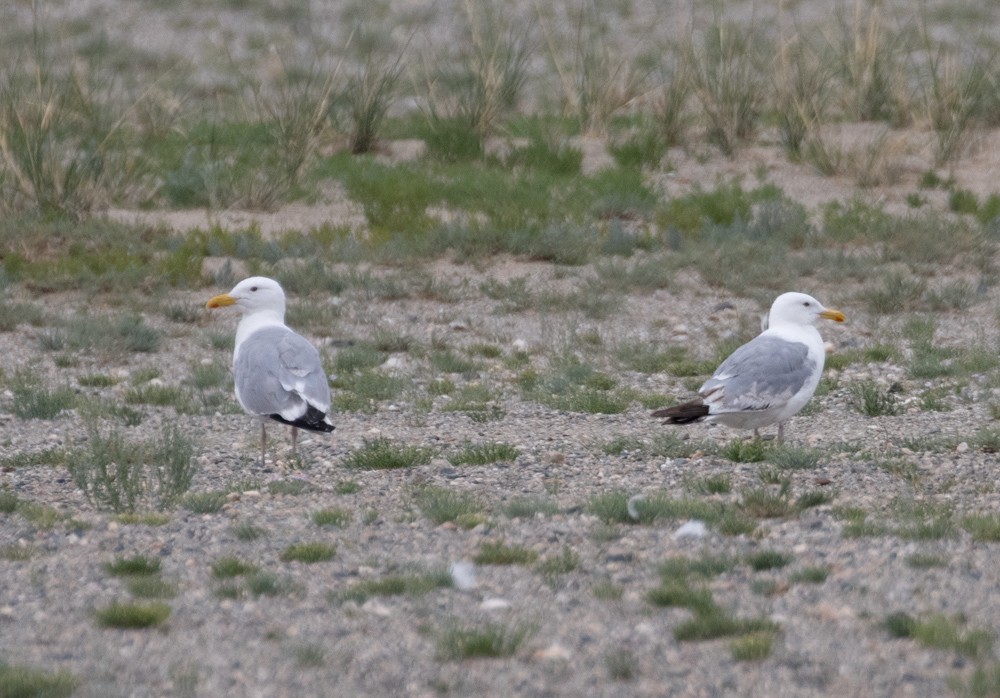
x,y
312,420
683,414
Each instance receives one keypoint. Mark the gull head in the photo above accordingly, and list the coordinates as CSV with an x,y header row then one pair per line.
x,y
799,309
258,293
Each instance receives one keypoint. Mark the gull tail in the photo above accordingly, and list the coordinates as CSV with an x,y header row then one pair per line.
x,y
683,414
312,420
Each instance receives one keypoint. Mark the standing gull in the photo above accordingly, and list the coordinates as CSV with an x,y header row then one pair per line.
x,y
768,379
278,372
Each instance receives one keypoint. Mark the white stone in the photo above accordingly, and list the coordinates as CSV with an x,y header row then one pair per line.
x,y
691,529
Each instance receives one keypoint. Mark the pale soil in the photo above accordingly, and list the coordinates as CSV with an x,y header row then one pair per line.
x,y
830,643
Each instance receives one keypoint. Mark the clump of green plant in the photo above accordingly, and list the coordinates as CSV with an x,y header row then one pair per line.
x,y
554,566
133,615
150,587
768,560
499,553
21,681
621,664
491,641
208,502
484,454
132,566
528,507
8,501
728,82
940,631
872,401
308,552
765,503
124,476
331,517
442,505
382,454
33,400
792,458
720,483
229,566
982,527
742,451
810,575
415,583
682,584
246,531
752,647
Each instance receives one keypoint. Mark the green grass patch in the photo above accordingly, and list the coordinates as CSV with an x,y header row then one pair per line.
x,y
33,400
870,400
490,641
924,561
143,518
382,454
410,583
308,552
621,665
983,527
133,615
442,505
247,532
528,507
229,566
204,502
555,566
940,632
18,681
484,454
499,553
347,487
720,483
150,587
718,623
810,575
140,565
768,560
753,647
331,517
746,451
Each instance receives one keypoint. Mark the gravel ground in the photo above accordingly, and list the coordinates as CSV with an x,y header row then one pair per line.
x,y
304,642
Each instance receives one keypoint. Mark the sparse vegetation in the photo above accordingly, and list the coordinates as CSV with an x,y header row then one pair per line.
x,y
412,583
491,641
382,454
133,615
489,249
122,476
308,552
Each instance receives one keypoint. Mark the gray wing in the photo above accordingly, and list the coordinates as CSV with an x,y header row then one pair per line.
x,y
280,372
763,373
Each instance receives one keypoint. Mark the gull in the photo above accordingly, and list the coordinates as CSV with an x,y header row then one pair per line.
x,y
770,378
278,373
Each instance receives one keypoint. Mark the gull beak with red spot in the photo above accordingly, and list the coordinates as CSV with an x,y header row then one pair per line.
x,y
220,301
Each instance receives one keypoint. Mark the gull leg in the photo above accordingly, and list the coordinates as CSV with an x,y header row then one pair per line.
x,y
781,432
756,435
263,443
295,439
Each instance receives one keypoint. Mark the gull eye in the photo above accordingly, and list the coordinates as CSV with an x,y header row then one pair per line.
x,y
806,303
254,288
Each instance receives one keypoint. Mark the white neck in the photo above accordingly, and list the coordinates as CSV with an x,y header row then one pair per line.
x,y
255,321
